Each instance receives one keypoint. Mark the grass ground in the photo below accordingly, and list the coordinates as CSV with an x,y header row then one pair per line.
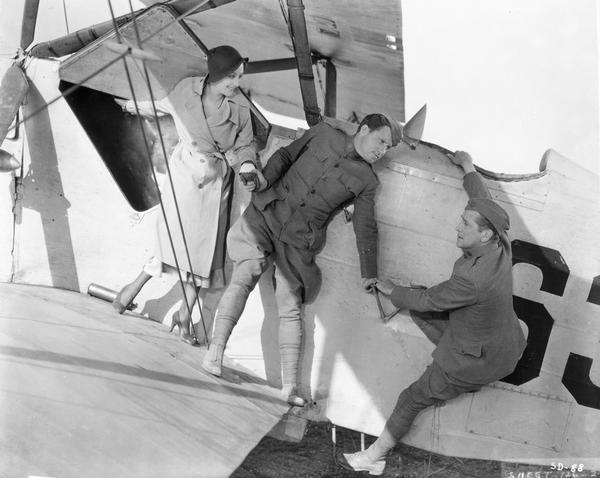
x,y
313,457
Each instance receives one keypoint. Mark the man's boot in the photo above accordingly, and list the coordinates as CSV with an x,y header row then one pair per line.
x,y
213,360
290,339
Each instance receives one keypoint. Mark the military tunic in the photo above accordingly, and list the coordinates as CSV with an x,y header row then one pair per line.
x,y
311,178
285,224
483,339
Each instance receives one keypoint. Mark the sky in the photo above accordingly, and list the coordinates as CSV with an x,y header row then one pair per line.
x,y
505,79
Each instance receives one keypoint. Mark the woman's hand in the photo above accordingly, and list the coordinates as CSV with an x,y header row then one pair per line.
x,y
252,179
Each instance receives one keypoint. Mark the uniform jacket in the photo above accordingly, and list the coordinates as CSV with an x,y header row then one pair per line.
x,y
483,340
312,177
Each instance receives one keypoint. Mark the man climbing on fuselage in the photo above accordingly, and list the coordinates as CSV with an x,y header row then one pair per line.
x,y
300,188
469,317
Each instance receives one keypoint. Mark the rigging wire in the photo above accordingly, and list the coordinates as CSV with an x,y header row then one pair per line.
x,y
76,86
149,157
322,88
65,14
164,151
286,19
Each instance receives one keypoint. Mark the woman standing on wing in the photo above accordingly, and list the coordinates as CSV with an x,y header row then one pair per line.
x,y
212,119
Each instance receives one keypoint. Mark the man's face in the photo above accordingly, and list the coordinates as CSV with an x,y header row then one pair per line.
x,y
372,145
228,85
467,231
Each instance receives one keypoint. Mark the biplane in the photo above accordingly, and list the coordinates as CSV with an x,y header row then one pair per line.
x,y
77,203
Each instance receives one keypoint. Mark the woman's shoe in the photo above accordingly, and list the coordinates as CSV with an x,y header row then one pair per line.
x,y
184,329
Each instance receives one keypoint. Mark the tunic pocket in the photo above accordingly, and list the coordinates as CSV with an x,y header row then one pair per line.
x,y
336,193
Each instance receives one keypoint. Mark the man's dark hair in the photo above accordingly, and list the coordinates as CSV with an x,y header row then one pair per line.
x,y
375,121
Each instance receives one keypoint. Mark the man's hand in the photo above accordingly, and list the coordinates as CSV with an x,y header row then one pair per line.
x,y
385,286
462,159
368,283
257,185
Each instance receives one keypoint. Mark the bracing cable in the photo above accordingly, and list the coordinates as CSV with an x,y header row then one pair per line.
x,y
122,56
65,14
149,158
164,151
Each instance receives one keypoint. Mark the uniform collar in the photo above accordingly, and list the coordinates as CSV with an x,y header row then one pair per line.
x,y
478,251
350,151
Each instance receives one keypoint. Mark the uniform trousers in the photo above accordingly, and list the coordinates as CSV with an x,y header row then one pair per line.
x,y
434,387
253,248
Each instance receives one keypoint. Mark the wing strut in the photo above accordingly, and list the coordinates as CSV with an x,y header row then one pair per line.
x,y
304,60
143,67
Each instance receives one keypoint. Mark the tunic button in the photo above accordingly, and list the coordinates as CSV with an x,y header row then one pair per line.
x,y
312,191
336,165
302,204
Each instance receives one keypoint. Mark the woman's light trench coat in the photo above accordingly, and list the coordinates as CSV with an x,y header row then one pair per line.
x,y
199,170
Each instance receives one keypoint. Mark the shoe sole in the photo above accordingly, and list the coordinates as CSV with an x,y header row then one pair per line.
x,y
341,461
211,369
